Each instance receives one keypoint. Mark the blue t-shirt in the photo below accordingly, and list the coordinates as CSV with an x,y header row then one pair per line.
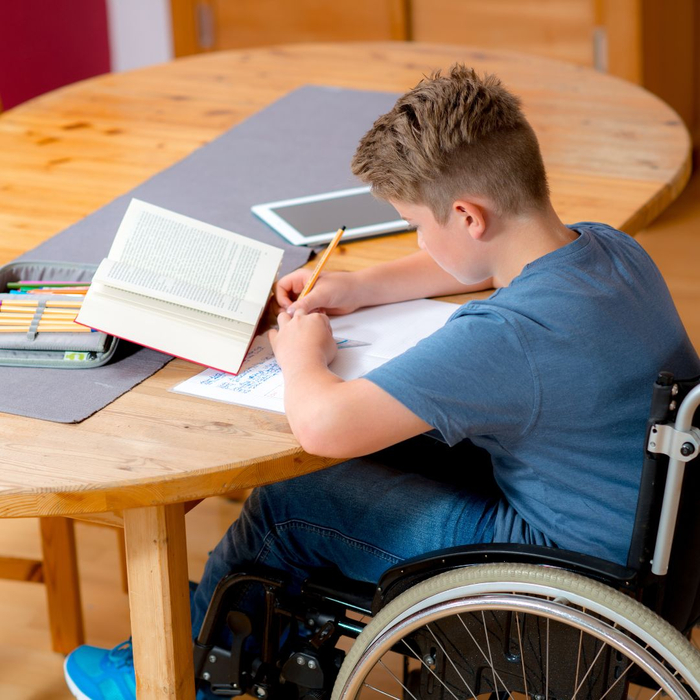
x,y
553,376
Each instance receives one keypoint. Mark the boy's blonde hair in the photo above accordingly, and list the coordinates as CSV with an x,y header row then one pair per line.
x,y
452,136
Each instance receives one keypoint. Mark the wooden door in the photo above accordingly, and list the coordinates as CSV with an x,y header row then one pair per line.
x,y
201,25
562,29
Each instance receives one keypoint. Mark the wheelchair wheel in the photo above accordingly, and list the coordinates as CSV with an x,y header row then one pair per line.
x,y
517,631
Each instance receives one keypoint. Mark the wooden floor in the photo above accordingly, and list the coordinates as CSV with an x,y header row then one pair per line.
x,y
30,671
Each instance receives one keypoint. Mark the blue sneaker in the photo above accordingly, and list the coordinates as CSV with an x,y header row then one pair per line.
x,y
101,674
107,674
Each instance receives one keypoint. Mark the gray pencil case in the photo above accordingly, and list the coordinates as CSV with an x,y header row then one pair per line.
x,y
33,348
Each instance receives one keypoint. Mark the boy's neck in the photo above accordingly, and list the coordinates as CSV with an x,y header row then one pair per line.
x,y
523,239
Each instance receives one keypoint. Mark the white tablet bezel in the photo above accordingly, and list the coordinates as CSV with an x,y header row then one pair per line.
x,y
269,216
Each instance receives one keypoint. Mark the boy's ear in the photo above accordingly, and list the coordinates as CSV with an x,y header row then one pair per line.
x,y
472,215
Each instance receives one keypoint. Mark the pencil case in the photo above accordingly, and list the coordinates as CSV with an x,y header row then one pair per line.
x,y
34,348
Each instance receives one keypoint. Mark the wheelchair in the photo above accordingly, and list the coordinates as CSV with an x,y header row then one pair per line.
x,y
490,621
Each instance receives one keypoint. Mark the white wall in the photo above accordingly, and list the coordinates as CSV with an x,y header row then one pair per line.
x,y
140,33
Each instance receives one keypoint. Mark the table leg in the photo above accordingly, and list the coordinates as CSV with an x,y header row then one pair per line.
x,y
159,602
60,566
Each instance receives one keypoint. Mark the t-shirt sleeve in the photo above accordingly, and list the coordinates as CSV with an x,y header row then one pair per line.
x,y
471,378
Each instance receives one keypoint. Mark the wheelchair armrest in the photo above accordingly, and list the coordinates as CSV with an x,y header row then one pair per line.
x,y
402,576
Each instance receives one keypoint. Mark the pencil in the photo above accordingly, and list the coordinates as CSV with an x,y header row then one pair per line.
x,y
63,291
68,304
43,322
322,261
29,314
43,329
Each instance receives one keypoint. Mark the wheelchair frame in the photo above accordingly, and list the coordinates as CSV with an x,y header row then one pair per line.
x,y
297,655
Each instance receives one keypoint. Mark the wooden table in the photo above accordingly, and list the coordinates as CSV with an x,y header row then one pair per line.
x,y
614,153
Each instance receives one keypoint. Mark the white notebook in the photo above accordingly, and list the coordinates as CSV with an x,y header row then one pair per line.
x,y
366,339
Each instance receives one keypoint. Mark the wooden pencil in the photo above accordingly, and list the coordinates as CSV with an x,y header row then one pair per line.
x,y
46,329
322,261
67,304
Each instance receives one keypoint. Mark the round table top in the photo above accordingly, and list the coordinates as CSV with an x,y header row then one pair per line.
x,y
613,152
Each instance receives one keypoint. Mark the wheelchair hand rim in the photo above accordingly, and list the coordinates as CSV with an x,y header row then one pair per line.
x,y
428,611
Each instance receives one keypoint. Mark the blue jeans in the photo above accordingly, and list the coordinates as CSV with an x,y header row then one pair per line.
x,y
360,517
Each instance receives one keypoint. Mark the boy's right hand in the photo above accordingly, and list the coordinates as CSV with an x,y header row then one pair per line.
x,y
335,293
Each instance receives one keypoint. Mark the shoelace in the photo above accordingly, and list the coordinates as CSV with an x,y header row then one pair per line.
x,y
122,655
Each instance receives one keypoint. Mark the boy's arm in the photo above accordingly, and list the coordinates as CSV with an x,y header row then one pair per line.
x,y
413,277
331,417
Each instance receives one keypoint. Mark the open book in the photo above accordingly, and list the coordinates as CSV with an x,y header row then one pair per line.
x,y
181,286
366,339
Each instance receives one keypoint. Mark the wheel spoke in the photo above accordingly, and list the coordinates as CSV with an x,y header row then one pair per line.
x,y
617,680
442,683
393,675
488,647
546,664
486,658
588,672
449,658
380,691
522,655
578,658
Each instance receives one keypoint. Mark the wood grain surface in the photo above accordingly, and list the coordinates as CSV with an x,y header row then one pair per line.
x,y
614,153
159,602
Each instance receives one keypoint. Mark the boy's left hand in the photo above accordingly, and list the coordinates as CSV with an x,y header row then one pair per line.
x,y
303,337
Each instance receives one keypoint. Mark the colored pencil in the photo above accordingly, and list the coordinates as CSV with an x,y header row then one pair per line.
x,y
39,317
47,283
56,292
28,322
67,304
15,320
25,329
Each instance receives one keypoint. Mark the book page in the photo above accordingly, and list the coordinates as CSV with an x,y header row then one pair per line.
x,y
377,334
162,309
174,258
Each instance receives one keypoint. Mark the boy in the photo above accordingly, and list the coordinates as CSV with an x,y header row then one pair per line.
x,y
550,375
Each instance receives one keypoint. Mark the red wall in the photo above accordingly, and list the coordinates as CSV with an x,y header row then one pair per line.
x,y
45,44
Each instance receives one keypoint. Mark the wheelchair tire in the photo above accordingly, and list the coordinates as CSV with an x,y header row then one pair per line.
x,y
623,643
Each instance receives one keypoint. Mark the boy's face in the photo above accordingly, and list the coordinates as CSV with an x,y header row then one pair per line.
x,y
451,245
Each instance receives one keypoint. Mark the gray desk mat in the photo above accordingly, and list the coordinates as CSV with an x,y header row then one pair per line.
x,y
299,145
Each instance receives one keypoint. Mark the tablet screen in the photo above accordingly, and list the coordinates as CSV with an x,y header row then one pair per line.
x,y
326,215
315,219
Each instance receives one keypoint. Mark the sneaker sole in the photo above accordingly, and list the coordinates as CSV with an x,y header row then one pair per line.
x,y
71,686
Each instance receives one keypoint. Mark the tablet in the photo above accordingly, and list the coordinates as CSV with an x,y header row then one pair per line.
x,y
314,219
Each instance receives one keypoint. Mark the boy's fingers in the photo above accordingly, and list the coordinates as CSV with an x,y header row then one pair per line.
x,y
282,297
283,318
287,287
307,304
